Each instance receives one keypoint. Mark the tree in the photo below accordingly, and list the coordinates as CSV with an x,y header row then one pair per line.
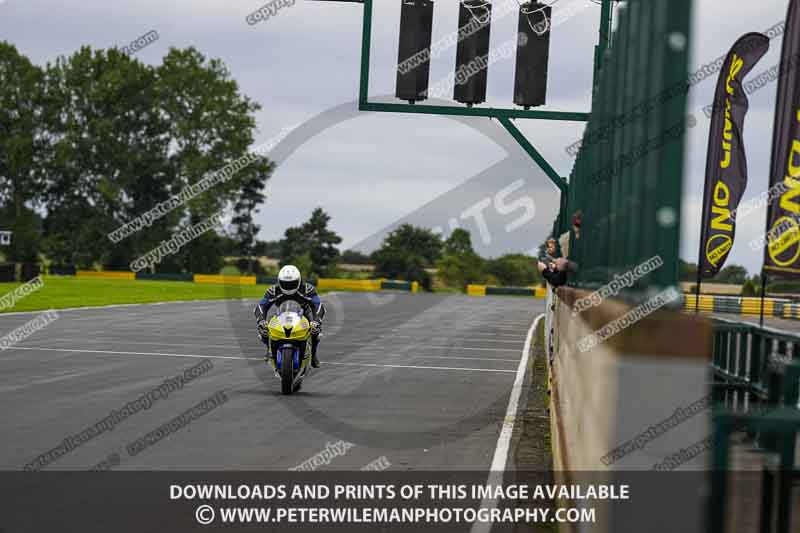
x,y
23,148
734,274
396,264
127,136
211,124
515,270
312,243
460,265
304,264
268,248
459,243
293,245
420,241
749,288
354,257
110,157
245,228
81,246
406,252
321,243
784,286
687,271
203,255
27,232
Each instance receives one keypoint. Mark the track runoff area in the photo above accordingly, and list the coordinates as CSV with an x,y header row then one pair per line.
x,y
417,390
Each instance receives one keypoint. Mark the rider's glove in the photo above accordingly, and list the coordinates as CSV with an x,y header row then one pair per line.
x,y
316,327
262,328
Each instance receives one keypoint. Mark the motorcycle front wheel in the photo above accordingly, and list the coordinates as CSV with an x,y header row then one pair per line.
x,y
287,369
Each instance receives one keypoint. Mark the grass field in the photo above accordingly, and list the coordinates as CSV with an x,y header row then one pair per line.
x,y
60,292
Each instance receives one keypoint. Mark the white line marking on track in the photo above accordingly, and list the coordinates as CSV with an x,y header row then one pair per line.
x,y
245,299
489,338
330,343
504,440
43,381
197,356
124,342
423,367
360,354
112,352
472,348
90,308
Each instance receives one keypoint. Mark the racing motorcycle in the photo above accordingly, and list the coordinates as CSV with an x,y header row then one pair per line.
x,y
289,333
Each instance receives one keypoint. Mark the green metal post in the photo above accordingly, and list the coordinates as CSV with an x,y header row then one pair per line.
x,y
366,38
604,38
535,155
719,474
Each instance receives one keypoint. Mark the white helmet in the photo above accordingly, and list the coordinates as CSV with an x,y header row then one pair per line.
x,y
289,279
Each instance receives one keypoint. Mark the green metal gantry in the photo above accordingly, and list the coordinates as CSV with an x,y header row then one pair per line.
x,y
503,115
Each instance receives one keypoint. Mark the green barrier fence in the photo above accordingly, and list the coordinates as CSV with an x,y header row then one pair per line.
x,y
510,291
628,174
756,387
62,270
396,285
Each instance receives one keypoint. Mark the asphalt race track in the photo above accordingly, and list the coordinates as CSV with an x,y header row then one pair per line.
x,y
422,381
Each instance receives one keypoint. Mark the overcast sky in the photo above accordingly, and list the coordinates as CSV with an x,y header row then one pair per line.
x,y
370,170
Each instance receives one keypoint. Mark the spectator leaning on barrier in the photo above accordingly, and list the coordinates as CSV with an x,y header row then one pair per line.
x,y
551,266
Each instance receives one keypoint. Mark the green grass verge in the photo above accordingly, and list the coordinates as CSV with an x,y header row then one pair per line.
x,y
60,292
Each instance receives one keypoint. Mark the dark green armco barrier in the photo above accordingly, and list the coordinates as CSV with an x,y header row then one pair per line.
x,y
164,277
727,305
396,285
510,291
62,270
8,272
756,387
628,174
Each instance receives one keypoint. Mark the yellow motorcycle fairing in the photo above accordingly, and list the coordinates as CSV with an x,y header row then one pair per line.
x,y
284,328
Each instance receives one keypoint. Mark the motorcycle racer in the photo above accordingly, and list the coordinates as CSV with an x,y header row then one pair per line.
x,y
290,286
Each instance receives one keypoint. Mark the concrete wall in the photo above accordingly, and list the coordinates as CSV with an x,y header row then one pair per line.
x,y
647,386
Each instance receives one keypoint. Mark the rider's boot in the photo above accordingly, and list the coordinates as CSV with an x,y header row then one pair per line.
x,y
267,350
314,344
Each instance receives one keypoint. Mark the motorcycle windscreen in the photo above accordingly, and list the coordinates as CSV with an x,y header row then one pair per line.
x,y
290,306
